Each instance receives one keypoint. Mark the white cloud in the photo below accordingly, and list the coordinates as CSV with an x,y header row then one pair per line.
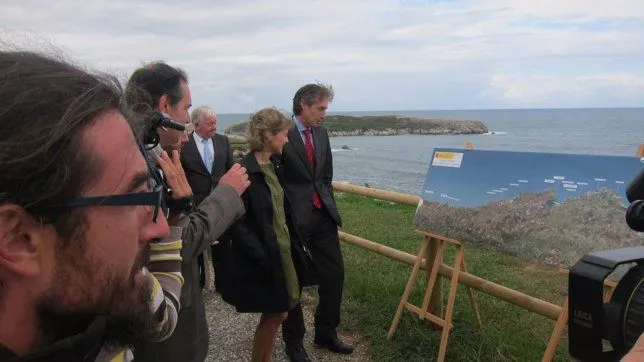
x,y
242,55
539,90
586,10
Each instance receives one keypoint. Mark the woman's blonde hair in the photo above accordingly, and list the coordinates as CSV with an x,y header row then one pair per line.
x,y
263,121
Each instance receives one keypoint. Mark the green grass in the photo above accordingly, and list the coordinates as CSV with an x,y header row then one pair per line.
x,y
374,285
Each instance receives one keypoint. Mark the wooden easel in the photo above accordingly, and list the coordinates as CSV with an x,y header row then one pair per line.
x,y
433,263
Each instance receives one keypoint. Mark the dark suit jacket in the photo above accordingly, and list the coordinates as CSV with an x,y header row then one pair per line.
x,y
300,179
198,177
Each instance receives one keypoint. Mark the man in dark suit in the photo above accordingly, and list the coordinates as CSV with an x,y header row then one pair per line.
x,y
308,172
205,158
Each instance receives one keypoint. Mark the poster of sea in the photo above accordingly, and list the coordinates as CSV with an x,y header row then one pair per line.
x,y
544,207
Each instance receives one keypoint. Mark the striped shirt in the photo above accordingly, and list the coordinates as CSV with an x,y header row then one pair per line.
x,y
163,272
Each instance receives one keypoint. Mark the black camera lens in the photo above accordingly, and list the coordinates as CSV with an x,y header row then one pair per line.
x,y
155,121
635,215
635,189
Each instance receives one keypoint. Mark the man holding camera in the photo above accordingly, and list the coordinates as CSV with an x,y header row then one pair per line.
x,y
159,87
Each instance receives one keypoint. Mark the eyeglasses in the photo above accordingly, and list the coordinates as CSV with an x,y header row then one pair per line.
x,y
153,198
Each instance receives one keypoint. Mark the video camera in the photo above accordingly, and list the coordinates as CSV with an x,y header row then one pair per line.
x,y
150,141
153,123
620,321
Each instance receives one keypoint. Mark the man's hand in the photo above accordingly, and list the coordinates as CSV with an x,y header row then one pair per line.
x,y
174,175
236,178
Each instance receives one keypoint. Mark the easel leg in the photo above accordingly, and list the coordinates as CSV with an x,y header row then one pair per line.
x,y
608,292
472,300
436,263
450,303
435,306
562,320
408,288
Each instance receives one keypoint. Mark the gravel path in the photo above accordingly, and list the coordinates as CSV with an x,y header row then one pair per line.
x,y
231,333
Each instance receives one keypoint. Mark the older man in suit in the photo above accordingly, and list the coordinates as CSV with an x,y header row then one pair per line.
x,y
205,158
308,171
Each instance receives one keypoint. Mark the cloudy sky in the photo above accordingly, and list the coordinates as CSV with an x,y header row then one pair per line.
x,y
379,55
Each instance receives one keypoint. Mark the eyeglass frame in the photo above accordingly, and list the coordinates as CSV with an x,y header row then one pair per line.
x,y
152,198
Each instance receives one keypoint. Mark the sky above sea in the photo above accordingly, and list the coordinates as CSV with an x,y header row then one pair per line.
x,y
378,54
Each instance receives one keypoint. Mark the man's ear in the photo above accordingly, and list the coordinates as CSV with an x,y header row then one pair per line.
x,y
164,103
22,239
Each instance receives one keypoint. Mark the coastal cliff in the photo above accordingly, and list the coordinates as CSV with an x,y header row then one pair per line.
x,y
339,125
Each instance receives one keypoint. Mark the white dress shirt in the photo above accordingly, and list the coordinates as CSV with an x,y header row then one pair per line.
x,y
200,146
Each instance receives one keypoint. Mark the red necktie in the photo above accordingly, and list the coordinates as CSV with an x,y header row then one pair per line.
x,y
310,152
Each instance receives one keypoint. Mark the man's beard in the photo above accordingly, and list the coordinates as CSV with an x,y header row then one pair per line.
x,y
128,316
170,144
173,147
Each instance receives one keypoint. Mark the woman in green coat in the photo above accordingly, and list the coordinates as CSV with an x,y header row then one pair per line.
x,y
267,262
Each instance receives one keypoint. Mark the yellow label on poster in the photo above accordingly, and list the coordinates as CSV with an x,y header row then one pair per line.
x,y
448,159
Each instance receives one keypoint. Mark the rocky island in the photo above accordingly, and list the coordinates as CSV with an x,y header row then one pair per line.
x,y
340,125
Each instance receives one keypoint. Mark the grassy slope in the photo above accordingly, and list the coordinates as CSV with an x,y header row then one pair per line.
x,y
374,285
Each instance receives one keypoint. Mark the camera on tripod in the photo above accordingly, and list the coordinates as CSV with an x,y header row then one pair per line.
x,y
620,322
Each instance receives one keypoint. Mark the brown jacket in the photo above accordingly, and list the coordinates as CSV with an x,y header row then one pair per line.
x,y
189,342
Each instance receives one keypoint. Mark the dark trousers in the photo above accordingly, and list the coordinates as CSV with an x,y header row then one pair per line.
x,y
321,233
216,254
202,270
216,257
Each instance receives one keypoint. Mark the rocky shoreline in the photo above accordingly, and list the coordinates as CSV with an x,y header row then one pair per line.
x,y
400,132
399,125
338,125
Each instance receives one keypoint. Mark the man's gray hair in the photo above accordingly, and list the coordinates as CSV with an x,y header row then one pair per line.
x,y
200,113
